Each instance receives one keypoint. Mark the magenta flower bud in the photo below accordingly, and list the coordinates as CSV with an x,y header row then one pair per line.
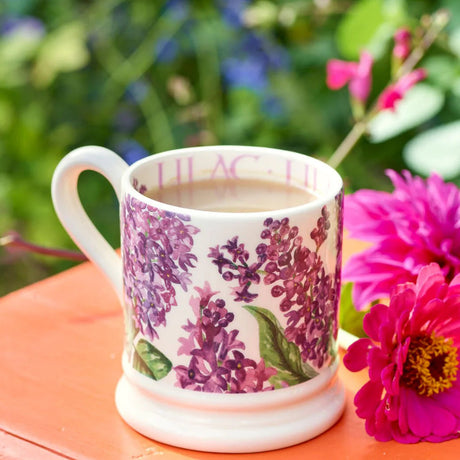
x,y
358,76
393,93
402,38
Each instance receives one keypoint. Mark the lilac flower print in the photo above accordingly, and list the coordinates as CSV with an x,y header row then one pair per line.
x,y
231,261
308,296
217,362
319,234
141,188
157,256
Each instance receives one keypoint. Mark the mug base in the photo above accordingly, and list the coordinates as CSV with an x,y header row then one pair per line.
x,y
232,423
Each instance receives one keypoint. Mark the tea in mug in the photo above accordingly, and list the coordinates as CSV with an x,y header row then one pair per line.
x,y
232,195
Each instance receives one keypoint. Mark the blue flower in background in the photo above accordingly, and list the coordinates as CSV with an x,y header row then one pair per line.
x,y
261,48
246,73
273,107
177,10
166,49
27,26
253,58
131,151
137,91
125,120
232,11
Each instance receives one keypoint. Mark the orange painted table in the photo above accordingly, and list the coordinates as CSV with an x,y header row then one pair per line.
x,y
60,358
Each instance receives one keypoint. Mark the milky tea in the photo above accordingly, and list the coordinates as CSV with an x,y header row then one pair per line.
x,y
232,195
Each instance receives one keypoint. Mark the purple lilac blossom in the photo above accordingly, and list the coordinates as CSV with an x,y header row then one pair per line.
x,y
231,261
339,198
217,361
157,257
308,296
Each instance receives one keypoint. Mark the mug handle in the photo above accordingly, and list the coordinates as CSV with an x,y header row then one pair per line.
x,y
70,210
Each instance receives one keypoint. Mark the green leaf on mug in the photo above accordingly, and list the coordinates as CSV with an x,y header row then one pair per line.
x,y
150,361
278,352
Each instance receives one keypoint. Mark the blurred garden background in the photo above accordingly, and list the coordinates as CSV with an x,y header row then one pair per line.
x,y
144,76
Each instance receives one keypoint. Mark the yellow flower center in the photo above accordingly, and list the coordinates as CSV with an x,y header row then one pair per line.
x,y
431,365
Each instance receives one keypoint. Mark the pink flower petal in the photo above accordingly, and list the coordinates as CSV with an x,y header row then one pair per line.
x,y
356,357
388,98
339,73
377,361
361,82
374,320
401,35
367,399
418,417
408,81
429,281
450,400
388,379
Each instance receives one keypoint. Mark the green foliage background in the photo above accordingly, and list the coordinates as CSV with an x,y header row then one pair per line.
x,y
114,72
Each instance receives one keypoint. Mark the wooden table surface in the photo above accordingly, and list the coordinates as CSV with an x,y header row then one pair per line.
x,y
60,358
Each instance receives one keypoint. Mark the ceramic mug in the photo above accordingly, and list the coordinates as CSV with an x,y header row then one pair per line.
x,y
231,317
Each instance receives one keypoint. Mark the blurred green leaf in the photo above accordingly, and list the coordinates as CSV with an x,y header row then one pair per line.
x,y
419,104
6,115
359,26
436,150
442,70
454,41
350,319
369,24
64,50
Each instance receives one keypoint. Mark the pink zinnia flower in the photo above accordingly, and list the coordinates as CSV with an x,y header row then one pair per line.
x,y
393,93
358,75
402,46
417,224
413,393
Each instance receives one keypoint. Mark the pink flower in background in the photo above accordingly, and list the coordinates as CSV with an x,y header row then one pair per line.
x,y
413,393
393,93
358,76
402,38
417,224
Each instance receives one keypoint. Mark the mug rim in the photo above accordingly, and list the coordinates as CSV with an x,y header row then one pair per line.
x,y
336,182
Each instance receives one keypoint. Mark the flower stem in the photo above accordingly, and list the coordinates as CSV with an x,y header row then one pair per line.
x,y
14,240
437,23
347,144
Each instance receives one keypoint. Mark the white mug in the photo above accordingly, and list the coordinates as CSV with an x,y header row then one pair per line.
x,y
231,317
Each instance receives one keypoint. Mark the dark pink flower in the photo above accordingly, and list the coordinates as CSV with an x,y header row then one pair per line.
x,y
417,224
358,76
413,392
393,93
402,38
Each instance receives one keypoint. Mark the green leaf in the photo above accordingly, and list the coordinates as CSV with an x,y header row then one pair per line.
x,y
150,361
278,352
359,26
454,42
442,70
64,50
370,24
436,150
420,104
350,319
